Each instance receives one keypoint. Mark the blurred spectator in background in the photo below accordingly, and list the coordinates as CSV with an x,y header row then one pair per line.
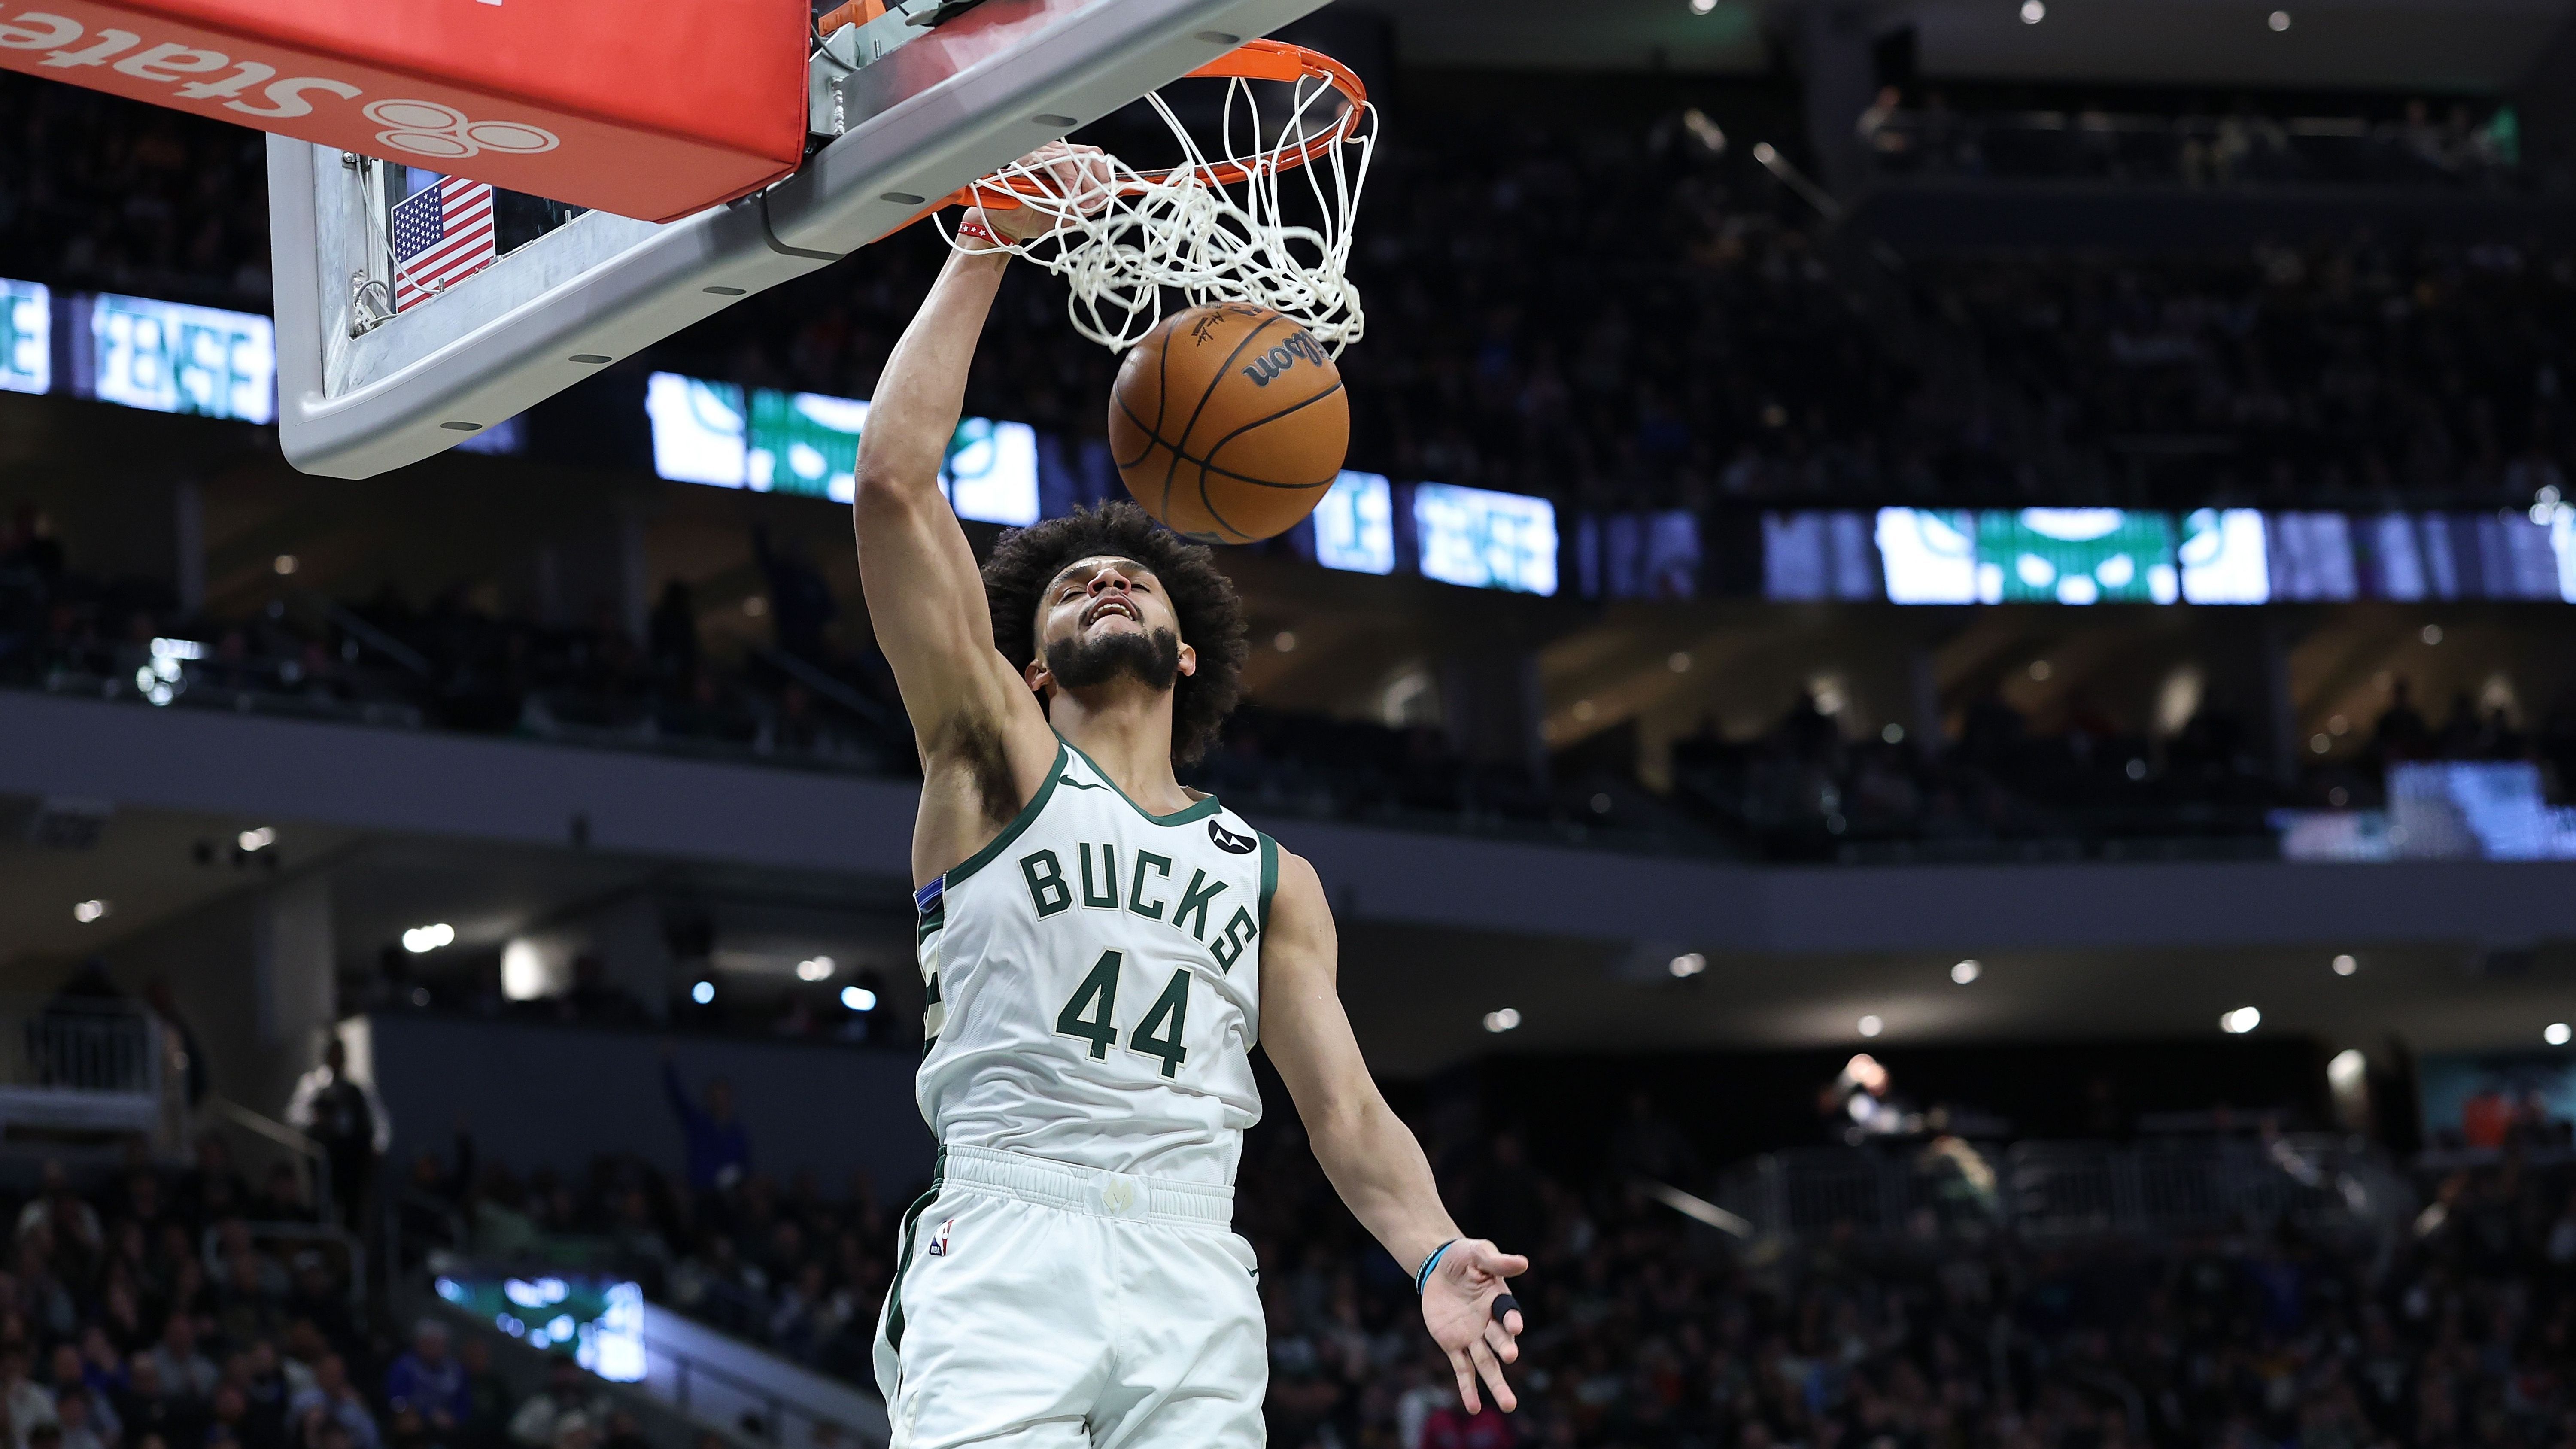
x,y
346,1117
431,1382
182,1038
569,1395
332,1403
719,1146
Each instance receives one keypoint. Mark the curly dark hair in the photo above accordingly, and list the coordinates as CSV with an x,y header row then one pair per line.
x,y
1202,597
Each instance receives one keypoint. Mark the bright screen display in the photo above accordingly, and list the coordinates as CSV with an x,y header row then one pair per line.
x,y
167,357
2075,556
1355,525
2562,542
2311,558
1484,540
26,337
2223,557
1641,555
599,1320
2030,556
1929,555
768,441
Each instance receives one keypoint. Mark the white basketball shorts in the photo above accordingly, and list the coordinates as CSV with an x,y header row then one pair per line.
x,y
1039,1305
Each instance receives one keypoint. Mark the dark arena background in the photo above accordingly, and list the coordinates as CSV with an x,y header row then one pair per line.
x,y
1939,710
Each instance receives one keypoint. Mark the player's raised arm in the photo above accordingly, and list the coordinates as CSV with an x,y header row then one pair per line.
x,y
925,596
1368,1153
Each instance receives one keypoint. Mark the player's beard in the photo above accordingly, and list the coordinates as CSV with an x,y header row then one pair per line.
x,y
1152,660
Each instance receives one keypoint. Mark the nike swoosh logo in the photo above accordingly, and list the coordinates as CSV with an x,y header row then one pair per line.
x,y
1076,784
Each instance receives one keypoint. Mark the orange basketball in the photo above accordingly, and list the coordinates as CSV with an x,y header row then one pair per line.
x,y
1229,423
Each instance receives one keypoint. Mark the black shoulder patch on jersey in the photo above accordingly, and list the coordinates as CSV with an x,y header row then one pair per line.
x,y
1229,842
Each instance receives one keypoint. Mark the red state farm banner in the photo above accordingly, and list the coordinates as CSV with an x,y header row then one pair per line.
x,y
649,112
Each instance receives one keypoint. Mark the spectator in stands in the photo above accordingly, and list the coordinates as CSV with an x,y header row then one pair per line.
x,y
75,1426
801,606
431,1382
69,1375
61,1213
719,1147
183,1370
149,1408
569,1395
2401,733
347,1118
333,1403
182,1039
487,1401
28,1403
231,1418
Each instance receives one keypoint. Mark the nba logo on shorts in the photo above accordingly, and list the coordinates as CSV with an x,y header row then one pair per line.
x,y
939,1240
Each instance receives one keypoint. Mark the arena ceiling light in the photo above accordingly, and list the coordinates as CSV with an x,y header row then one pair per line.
x,y
2240,1021
703,993
1687,965
1702,7
814,968
2033,11
1503,1020
421,940
2346,965
1872,1026
858,998
91,910
2556,1034
2280,22
254,841
1966,971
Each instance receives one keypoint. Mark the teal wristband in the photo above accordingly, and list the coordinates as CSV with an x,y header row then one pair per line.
x,y
1422,1275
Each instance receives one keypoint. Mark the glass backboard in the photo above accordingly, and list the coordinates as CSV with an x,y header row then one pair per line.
x,y
366,385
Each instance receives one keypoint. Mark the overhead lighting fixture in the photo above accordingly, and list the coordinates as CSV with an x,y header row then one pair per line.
x,y
88,911
2556,1034
1285,641
1966,971
2033,12
1894,734
814,968
421,940
1702,7
1502,1021
2280,21
2432,633
1680,662
255,841
703,992
1871,1026
284,565
2345,965
1688,964
2240,1021
858,998
2040,670
2349,1071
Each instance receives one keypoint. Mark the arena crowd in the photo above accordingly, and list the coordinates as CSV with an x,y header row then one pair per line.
x,y
1650,1332
150,1307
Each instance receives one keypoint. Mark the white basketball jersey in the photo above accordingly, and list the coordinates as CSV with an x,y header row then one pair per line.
x,y
1094,979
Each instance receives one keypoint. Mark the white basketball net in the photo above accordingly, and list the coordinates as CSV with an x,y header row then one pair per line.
x,y
1212,229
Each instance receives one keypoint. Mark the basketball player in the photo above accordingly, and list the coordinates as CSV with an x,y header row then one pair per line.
x,y
1102,947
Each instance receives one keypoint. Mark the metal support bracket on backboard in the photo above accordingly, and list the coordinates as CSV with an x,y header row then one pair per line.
x,y
920,121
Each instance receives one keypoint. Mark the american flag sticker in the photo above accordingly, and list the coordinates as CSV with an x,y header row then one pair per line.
x,y
442,234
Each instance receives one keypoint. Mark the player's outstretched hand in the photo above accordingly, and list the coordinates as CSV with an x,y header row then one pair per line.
x,y
1079,175
1459,1306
